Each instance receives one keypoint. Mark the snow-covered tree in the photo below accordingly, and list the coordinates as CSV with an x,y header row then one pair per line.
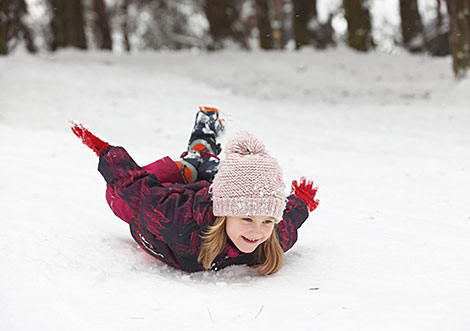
x,y
13,27
164,24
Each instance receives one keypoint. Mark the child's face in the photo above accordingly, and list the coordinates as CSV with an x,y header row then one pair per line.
x,y
248,232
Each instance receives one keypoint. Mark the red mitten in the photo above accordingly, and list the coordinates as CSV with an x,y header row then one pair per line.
x,y
305,191
88,138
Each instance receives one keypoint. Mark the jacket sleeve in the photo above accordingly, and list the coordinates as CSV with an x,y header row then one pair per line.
x,y
171,213
295,214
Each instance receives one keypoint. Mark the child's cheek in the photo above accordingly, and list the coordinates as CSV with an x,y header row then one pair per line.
x,y
268,231
242,229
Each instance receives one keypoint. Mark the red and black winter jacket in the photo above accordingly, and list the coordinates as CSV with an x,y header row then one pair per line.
x,y
168,221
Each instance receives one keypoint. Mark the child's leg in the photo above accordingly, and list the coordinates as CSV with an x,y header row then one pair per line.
x,y
200,162
207,127
166,171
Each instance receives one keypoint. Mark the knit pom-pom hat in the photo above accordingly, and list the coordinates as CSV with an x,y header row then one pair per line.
x,y
249,181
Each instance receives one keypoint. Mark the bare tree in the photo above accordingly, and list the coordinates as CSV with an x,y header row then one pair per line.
x,y
270,18
67,24
224,23
411,26
12,26
120,21
101,29
436,32
359,35
308,30
459,13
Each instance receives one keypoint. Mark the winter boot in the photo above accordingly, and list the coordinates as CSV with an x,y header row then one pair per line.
x,y
188,168
200,161
207,127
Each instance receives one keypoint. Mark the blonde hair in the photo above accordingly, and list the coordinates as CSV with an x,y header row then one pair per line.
x,y
270,253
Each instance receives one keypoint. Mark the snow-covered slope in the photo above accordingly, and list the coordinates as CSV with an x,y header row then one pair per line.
x,y
385,137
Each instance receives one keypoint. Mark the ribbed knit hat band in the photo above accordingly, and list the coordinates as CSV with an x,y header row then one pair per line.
x,y
249,181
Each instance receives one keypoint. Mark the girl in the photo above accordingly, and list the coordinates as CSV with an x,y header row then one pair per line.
x,y
196,214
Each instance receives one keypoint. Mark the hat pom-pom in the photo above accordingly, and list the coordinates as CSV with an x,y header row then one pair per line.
x,y
245,144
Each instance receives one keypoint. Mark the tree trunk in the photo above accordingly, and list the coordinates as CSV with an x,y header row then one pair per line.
x,y
102,31
436,42
359,35
76,30
67,24
459,14
439,14
26,35
12,26
411,26
215,13
125,25
223,18
264,25
5,23
279,35
303,12
57,25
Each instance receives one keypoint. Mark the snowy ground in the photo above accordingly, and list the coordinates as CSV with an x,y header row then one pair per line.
x,y
385,137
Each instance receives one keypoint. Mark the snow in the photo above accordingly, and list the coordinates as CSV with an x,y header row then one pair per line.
x,y
385,137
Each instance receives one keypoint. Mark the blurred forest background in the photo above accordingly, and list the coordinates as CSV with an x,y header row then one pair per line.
x,y
140,25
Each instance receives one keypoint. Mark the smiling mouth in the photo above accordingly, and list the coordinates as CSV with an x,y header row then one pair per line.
x,y
250,240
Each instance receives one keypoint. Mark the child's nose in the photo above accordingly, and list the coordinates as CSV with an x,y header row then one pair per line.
x,y
257,229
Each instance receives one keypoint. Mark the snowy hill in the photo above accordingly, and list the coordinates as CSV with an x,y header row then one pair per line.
x,y
385,137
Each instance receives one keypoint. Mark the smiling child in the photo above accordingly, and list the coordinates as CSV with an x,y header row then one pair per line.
x,y
199,213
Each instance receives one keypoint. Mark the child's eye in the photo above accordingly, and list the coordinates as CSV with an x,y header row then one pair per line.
x,y
268,221
247,219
